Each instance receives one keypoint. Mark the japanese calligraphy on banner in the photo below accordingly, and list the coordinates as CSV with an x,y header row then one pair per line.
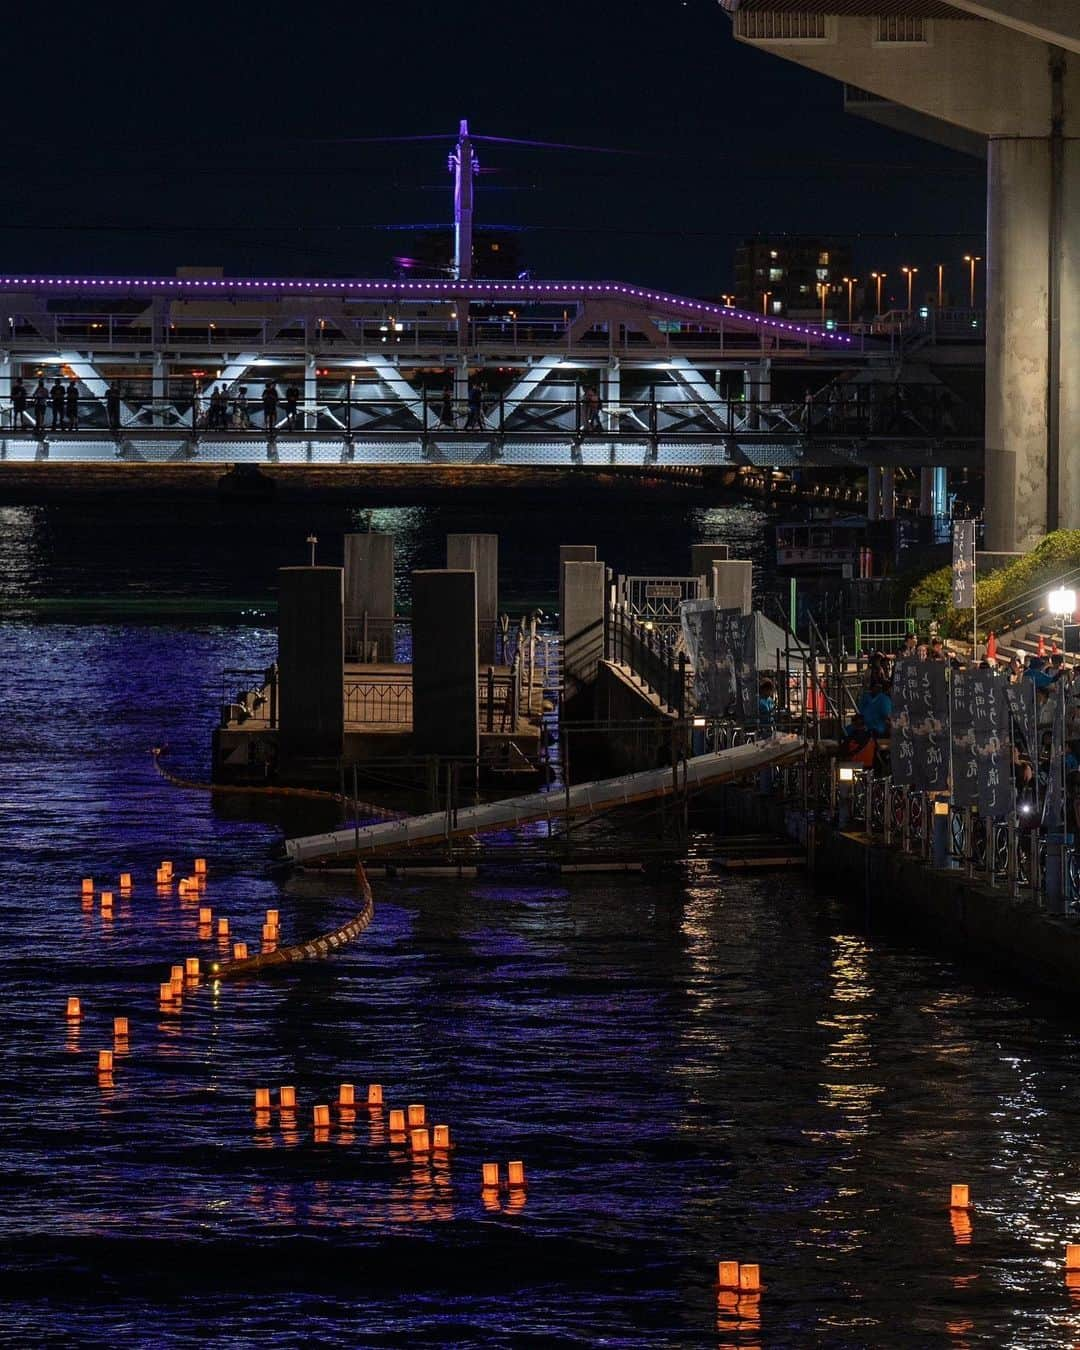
x,y
965,764
993,750
746,673
963,563
906,700
930,730
1021,699
920,743
712,656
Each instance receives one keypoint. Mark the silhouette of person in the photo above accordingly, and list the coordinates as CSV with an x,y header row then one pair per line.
x,y
56,400
41,402
18,404
71,406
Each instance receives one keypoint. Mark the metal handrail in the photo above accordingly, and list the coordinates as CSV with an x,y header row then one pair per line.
x,y
989,615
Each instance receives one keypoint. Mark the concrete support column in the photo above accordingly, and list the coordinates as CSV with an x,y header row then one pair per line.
x,y
610,383
445,668
926,491
572,553
704,557
581,625
311,654
732,585
888,494
157,389
757,389
5,385
369,590
479,553
873,493
311,417
461,381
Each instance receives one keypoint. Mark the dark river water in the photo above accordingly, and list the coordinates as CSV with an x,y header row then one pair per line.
x,y
691,1068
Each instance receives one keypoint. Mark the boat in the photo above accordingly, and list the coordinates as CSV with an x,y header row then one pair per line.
x,y
832,545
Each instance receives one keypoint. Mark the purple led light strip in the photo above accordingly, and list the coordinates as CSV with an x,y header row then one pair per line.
x,y
448,290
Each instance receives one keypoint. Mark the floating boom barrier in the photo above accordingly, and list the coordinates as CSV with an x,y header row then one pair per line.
x,y
580,800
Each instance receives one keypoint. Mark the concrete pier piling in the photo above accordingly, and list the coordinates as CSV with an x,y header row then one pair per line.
x,y
445,666
311,646
582,628
369,591
732,584
573,553
704,557
479,553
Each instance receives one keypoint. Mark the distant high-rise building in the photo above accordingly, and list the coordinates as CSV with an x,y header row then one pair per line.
x,y
784,274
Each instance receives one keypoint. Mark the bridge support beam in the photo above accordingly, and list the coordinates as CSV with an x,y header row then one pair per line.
x,y
954,73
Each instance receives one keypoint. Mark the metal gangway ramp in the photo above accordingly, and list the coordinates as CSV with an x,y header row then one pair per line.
x,y
580,800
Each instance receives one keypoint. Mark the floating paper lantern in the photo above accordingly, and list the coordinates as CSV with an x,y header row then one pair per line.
x,y
442,1137
397,1122
120,1028
959,1198
239,951
374,1094
515,1174
420,1140
322,1117
287,1098
74,1009
728,1272
105,1061
490,1174
417,1115
347,1094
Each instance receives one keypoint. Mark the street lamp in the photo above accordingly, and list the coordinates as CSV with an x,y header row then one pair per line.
x,y
909,272
728,300
941,285
1062,603
765,301
971,259
823,292
879,277
849,282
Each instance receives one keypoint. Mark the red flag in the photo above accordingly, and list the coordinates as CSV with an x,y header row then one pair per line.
x,y
1042,646
991,646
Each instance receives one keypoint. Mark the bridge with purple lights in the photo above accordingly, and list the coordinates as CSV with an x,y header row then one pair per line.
x,y
453,370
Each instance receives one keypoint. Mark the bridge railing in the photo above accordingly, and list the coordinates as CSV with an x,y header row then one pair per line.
x,y
649,653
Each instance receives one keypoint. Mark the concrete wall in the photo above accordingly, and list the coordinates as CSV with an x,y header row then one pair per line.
x,y
311,654
581,625
445,667
369,585
733,585
479,553
573,553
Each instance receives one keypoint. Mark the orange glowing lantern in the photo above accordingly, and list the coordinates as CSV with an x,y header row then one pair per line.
x,y
191,967
421,1141
176,986
200,866
490,1173
106,899
262,1099
750,1278
1072,1256
417,1116
269,932
88,885
728,1273
104,1061
442,1137
206,915
120,1028
959,1197
515,1174
166,993
374,1094
347,1094
397,1122
287,1097
322,1117
166,870
223,928
273,917
74,1009
125,881
239,951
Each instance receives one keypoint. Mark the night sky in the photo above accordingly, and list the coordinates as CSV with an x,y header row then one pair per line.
x,y
141,137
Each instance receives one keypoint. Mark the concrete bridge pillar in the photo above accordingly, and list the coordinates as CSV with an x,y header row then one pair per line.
x,y
873,493
888,493
572,553
581,625
732,584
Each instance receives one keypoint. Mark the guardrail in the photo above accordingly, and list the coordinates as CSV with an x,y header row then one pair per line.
x,y
650,654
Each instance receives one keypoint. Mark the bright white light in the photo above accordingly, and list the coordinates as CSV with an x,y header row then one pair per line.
x,y
847,773
1061,602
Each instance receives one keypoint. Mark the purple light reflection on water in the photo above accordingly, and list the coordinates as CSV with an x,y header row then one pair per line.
x,y
691,1067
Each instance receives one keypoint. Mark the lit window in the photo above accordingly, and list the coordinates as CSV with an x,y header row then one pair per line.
x,y
776,274
773,253
823,274
804,290
778,307
823,258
